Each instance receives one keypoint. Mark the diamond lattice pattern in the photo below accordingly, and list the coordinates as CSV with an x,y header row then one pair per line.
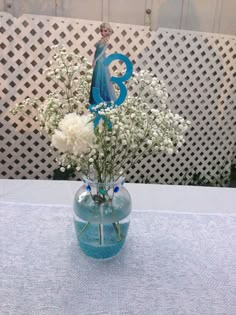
x,y
198,68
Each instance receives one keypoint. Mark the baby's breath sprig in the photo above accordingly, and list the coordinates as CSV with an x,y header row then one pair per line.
x,y
71,75
141,126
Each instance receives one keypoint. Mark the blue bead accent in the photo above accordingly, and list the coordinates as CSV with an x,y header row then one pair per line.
x,y
116,189
123,182
88,188
102,191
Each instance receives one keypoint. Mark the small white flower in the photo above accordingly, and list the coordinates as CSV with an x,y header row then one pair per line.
x,y
170,151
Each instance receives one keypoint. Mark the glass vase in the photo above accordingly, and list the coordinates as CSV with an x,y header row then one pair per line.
x,y
102,217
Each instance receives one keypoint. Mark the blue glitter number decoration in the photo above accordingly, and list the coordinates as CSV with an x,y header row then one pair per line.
x,y
119,80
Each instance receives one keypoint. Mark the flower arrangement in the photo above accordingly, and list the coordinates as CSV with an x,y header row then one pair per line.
x,y
101,152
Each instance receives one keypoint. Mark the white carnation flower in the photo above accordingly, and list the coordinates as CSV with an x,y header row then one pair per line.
x,y
59,141
75,134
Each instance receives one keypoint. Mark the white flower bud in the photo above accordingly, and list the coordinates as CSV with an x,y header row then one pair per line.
x,y
170,151
159,93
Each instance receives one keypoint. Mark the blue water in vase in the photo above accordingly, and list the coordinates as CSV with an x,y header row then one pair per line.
x,y
92,245
101,229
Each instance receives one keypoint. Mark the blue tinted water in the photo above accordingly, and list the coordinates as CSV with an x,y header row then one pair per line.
x,y
108,214
89,239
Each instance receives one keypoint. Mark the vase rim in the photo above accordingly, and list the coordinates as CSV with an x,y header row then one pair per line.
x,y
89,181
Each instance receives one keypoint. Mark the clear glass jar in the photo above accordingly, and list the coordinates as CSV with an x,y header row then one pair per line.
x,y
102,217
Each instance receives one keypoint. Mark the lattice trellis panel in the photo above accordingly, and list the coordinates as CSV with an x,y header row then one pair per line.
x,y
198,68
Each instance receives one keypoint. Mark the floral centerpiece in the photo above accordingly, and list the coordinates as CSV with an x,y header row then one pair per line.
x,y
103,153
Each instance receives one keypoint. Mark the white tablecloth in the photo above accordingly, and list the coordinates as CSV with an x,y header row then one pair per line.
x,y
174,198
172,263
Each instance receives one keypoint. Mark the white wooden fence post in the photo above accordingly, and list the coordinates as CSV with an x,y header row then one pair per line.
x,y
105,10
155,13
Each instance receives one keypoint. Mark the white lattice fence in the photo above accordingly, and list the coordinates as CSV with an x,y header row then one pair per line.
x,y
198,68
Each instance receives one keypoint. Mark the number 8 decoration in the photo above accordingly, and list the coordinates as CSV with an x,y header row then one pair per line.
x,y
97,99
119,80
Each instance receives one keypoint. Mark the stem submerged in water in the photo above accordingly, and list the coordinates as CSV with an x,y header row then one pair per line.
x,y
101,237
100,226
116,226
84,228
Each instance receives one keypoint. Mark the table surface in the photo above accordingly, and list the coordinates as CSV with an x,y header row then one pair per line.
x,y
179,257
193,199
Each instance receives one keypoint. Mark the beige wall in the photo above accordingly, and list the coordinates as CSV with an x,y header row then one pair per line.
x,y
201,15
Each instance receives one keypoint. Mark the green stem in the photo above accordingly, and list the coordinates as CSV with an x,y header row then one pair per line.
x,y
117,228
100,230
84,229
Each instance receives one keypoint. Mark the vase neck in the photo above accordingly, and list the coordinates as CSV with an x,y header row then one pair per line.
x,y
93,183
